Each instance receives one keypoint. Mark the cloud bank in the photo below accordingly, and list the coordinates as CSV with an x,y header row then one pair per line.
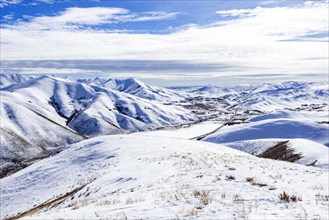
x,y
281,40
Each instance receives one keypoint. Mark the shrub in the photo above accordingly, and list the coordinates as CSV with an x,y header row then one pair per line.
x,y
230,178
203,195
295,198
286,197
253,182
250,179
237,198
320,197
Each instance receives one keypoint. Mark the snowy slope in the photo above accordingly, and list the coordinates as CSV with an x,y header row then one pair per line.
x,y
302,129
187,133
273,128
100,110
301,115
130,177
311,151
26,135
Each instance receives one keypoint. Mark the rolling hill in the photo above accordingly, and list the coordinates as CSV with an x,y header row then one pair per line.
x,y
133,176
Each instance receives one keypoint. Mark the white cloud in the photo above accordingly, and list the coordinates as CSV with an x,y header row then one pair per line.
x,y
8,17
270,2
74,18
47,1
4,3
284,22
256,41
154,16
238,12
83,16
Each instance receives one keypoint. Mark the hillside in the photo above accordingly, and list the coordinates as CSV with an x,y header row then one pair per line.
x,y
47,112
304,131
129,176
268,97
137,88
275,128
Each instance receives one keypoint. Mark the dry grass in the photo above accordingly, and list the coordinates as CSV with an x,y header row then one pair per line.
x,y
253,182
230,177
193,212
109,202
289,198
203,195
320,197
237,198
250,180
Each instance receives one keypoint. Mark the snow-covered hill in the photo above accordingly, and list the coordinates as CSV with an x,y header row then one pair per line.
x,y
305,134
109,110
9,79
138,177
273,128
311,152
290,95
269,97
306,116
47,111
137,88
224,90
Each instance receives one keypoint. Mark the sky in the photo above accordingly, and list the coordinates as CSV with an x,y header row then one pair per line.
x,y
168,42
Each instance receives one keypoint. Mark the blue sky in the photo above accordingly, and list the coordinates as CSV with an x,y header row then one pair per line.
x,y
167,42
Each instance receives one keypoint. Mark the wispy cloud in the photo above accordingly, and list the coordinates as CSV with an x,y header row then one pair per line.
x,y
270,2
8,17
261,40
4,3
77,18
47,1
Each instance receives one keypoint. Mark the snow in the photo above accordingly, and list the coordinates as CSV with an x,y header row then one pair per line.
x,y
311,151
273,128
105,110
269,97
46,94
25,133
301,115
138,176
265,131
189,132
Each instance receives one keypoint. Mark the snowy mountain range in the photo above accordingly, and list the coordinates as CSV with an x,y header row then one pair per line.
x,y
137,88
122,149
46,112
